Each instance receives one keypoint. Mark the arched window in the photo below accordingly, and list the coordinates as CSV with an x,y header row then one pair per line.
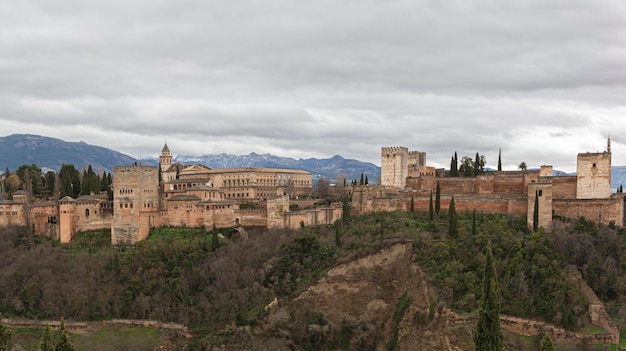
x,y
86,212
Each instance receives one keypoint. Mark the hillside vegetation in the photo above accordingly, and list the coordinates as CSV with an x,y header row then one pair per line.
x,y
218,284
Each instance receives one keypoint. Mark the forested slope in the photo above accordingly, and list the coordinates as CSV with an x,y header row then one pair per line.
x,y
219,284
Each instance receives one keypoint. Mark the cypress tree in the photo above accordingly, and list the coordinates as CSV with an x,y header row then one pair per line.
x,y
456,165
488,336
452,220
536,213
500,160
5,336
65,342
215,241
362,181
45,344
547,344
477,165
452,166
438,199
366,181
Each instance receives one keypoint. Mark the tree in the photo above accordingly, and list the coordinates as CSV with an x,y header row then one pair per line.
x,y
467,166
45,344
366,181
500,160
322,187
438,199
488,336
5,336
536,213
477,165
413,204
13,183
547,344
454,166
32,173
70,181
65,342
453,230
522,166
362,181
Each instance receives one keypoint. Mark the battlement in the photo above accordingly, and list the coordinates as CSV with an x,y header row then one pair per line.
x,y
394,150
134,168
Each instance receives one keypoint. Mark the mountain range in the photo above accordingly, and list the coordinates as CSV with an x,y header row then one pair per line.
x,y
50,153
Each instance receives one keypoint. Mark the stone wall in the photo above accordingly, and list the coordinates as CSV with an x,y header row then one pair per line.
x,y
598,210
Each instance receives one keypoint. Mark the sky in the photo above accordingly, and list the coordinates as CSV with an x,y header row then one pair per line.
x,y
541,80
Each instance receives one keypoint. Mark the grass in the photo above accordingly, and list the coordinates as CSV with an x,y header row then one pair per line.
x,y
103,339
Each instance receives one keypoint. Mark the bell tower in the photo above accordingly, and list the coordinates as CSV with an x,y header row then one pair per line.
x,y
165,159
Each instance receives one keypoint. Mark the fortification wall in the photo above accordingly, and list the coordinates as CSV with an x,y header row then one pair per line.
x,y
562,187
598,210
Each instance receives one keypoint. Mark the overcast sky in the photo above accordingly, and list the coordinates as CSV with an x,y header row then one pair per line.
x,y
542,80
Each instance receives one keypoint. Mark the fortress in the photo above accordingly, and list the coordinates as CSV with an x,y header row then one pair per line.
x,y
405,177
173,194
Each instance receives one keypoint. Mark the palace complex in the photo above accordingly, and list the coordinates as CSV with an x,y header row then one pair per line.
x,y
173,194
406,178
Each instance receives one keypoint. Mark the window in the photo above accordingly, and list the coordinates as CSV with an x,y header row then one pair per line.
x,y
86,212
540,193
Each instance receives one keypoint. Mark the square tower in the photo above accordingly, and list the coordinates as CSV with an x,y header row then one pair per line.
x,y
135,195
394,166
593,172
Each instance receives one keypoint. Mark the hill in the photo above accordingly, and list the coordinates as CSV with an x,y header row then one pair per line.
x,y
50,153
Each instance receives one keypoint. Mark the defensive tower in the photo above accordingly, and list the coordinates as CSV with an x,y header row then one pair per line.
x,y
394,166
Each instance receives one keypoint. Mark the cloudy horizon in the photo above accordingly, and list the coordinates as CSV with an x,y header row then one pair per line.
x,y
541,80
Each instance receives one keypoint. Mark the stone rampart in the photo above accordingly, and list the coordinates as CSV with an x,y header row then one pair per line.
x,y
598,210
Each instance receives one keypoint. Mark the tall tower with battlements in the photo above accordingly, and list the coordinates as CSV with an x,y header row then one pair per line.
x,y
135,203
394,166
593,172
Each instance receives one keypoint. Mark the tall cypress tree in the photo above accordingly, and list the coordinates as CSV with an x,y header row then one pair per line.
x,y
453,230
456,165
536,213
547,344
477,165
499,160
488,336
5,336
65,342
362,181
438,199
45,344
